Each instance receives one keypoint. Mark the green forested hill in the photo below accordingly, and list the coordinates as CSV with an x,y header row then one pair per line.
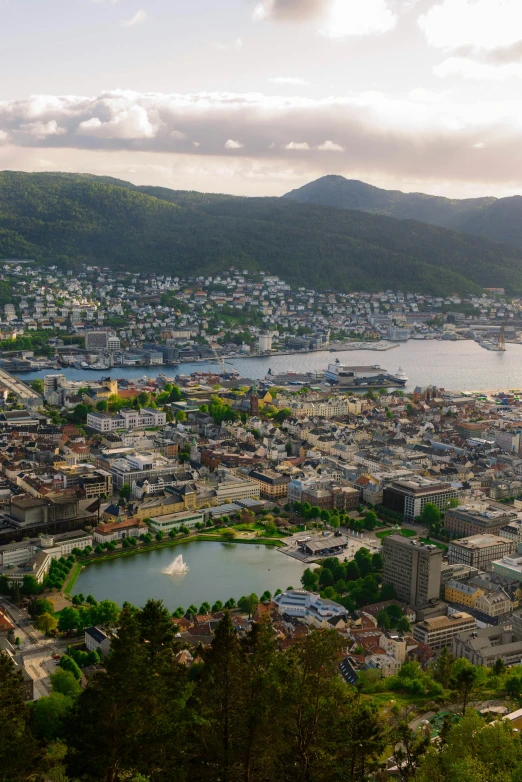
x,y
499,219
68,218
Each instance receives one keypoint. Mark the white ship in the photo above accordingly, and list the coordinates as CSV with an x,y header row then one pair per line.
x,y
401,374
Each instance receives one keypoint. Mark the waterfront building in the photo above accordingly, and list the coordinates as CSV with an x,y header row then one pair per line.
x,y
311,608
172,521
118,530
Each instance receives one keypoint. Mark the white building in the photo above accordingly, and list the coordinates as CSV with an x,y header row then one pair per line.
x,y
309,607
265,342
126,419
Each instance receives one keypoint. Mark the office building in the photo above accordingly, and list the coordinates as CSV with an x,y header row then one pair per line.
x,y
96,340
478,518
479,550
441,630
413,568
410,496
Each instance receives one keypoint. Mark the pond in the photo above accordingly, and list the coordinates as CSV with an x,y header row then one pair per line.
x,y
217,571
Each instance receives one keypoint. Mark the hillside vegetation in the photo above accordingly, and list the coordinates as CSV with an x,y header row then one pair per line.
x,y
499,219
67,219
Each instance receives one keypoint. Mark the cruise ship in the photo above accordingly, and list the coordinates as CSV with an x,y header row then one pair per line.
x,y
360,377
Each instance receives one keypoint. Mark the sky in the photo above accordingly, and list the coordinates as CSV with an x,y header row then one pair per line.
x,y
257,97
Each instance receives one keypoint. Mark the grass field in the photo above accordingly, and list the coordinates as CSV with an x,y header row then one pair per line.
x,y
407,533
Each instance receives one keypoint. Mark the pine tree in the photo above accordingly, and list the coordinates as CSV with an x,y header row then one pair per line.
x,y
19,754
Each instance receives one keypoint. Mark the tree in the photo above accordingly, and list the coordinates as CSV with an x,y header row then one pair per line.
x,y
228,534
181,417
46,623
309,580
248,604
107,613
41,606
370,520
464,682
377,561
65,682
30,585
383,620
204,608
125,491
499,667
68,620
102,406
351,571
68,664
403,625
218,606
266,597
18,749
430,515
49,715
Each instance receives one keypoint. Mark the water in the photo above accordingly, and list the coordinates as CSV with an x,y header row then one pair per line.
x,y
217,571
461,365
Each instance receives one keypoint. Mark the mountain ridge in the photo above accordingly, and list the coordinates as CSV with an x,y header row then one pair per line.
x,y
499,219
67,219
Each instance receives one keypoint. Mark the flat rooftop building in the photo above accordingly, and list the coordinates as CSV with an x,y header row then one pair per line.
x,y
410,496
441,630
413,568
479,550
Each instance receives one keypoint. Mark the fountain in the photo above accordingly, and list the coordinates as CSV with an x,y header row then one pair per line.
x,y
176,568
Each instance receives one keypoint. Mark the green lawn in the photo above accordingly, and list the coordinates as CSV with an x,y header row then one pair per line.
x,y
407,533
71,580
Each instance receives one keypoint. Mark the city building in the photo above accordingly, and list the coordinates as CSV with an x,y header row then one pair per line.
x,y
127,418
172,521
309,607
487,645
410,496
413,568
479,550
273,485
479,518
117,530
96,340
441,630
465,594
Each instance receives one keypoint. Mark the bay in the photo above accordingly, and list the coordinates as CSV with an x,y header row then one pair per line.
x,y
462,365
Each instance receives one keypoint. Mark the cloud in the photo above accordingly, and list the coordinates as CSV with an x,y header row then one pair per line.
x,y
479,145
138,18
330,146
288,80
290,10
297,145
42,129
223,46
335,18
481,24
469,68
422,135
231,144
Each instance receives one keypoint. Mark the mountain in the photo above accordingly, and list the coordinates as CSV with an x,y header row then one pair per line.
x,y
499,219
70,219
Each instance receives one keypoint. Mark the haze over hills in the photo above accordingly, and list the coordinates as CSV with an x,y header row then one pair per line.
x,y
69,218
495,218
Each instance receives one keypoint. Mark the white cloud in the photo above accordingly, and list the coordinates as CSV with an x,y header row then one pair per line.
x,y
288,80
479,145
421,135
223,46
297,145
481,24
468,68
42,129
336,18
353,17
138,18
330,146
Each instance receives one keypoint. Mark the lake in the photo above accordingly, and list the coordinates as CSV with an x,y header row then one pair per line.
x,y
461,365
218,571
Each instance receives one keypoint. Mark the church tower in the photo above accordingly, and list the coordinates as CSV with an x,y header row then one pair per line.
x,y
254,400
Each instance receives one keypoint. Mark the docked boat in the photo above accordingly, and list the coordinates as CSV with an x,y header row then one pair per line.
x,y
401,374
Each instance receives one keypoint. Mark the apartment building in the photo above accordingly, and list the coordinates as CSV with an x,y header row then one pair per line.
x,y
441,630
487,645
465,594
139,466
413,568
309,607
410,496
272,485
117,530
479,550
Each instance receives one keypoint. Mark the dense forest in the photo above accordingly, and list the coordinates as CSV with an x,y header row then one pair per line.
x,y
240,711
66,219
499,219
